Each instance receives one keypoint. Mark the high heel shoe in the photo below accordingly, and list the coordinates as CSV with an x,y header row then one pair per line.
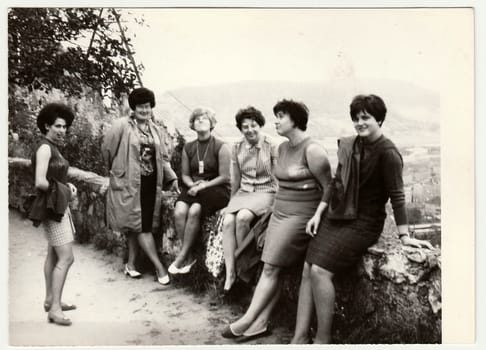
x,y
61,321
132,273
64,307
174,270
165,280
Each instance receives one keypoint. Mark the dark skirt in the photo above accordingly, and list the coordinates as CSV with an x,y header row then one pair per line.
x,y
211,199
339,244
148,185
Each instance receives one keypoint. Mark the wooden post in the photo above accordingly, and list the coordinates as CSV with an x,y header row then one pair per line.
x,y
130,56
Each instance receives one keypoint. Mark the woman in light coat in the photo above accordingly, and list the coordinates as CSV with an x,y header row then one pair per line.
x,y
136,154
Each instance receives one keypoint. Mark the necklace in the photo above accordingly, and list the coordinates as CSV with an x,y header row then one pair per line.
x,y
200,161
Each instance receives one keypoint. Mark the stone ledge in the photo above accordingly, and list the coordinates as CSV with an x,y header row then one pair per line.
x,y
392,296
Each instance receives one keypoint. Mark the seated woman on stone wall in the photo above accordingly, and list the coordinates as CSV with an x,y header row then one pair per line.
x,y
253,184
206,185
302,170
136,155
369,172
51,206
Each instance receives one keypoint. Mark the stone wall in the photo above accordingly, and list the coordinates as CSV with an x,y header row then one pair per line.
x,y
392,296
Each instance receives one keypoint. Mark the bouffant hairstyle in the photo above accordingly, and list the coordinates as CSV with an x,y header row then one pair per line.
x,y
298,112
50,112
249,113
371,104
140,96
202,111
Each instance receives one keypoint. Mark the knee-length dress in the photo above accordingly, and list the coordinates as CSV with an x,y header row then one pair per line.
x,y
253,182
212,198
296,200
355,218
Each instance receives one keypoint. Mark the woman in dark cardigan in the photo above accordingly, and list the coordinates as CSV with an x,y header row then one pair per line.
x,y
369,173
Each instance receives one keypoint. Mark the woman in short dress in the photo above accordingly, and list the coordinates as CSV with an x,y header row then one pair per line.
x,y
206,185
302,171
253,185
369,173
51,206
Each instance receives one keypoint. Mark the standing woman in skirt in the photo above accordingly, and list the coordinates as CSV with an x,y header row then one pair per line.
x,y
51,208
206,185
369,173
136,155
253,185
302,171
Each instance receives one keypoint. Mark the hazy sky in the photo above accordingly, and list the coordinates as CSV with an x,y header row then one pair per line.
x,y
184,47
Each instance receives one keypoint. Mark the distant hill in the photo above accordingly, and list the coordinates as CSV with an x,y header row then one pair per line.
x,y
413,112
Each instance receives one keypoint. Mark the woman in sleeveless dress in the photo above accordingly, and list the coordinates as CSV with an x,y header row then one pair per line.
x,y
302,171
206,185
369,173
51,208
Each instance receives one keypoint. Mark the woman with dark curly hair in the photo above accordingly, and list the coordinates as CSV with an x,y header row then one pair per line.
x,y
135,152
253,184
302,171
51,206
369,173
206,185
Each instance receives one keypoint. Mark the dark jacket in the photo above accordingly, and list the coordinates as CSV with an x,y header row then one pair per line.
x,y
50,204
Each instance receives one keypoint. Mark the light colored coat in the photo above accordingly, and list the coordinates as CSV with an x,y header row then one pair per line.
x,y
121,153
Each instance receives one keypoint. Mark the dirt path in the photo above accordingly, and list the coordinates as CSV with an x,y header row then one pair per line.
x,y
112,309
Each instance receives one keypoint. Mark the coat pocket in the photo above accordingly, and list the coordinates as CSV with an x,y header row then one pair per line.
x,y
117,180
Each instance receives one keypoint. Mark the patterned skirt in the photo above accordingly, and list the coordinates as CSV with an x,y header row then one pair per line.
x,y
60,233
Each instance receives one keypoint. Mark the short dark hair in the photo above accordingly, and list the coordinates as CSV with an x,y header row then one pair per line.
x,y
52,111
372,104
140,96
298,112
249,113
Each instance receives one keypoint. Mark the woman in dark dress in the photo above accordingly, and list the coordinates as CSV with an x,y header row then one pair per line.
x,y
206,185
369,173
51,208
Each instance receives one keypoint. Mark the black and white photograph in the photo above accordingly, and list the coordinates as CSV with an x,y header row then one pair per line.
x,y
152,149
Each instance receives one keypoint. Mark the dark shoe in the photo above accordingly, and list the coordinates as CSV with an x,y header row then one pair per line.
x,y
61,321
250,336
229,334
64,307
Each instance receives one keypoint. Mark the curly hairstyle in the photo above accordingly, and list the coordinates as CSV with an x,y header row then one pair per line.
x,y
249,113
140,96
371,104
298,112
202,111
52,111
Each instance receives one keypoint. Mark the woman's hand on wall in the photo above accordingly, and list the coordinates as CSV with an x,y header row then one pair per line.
x,y
74,190
414,242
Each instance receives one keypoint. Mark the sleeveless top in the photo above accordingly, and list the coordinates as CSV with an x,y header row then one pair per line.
x,y
208,151
293,173
58,165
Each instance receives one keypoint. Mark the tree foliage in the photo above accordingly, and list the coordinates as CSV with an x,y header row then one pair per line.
x,y
55,48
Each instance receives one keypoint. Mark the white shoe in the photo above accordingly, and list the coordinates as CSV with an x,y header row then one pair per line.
x,y
162,280
174,270
132,273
